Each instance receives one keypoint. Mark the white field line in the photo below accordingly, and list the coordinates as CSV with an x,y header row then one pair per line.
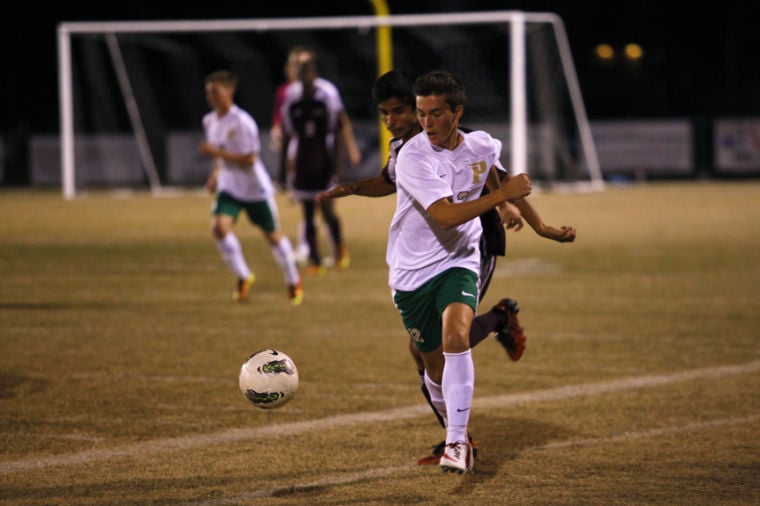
x,y
628,436
389,471
331,481
330,423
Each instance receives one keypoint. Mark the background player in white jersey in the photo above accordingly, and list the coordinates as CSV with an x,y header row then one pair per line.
x,y
241,183
433,248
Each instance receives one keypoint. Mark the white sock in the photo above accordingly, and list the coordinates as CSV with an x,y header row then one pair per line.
x,y
232,254
436,396
458,384
285,257
303,243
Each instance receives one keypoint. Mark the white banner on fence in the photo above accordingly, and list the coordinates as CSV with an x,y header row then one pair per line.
x,y
102,160
737,144
661,147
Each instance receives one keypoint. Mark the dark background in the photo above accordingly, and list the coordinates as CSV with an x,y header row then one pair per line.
x,y
700,61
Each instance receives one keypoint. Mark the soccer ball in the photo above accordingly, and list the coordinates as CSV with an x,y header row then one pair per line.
x,y
269,379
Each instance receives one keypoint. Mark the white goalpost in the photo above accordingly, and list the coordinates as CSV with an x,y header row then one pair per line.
x,y
513,57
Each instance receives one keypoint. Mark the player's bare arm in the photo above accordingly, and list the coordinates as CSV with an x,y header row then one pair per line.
x,y
347,133
510,214
561,234
529,213
243,160
213,177
449,214
373,187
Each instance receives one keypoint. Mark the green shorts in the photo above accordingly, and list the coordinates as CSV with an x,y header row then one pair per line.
x,y
260,213
422,308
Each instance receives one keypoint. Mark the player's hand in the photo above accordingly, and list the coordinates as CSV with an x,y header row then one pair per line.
x,y
275,138
211,184
354,156
562,234
510,216
517,186
207,149
342,190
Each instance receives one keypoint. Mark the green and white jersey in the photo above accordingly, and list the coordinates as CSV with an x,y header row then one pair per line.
x,y
418,248
237,132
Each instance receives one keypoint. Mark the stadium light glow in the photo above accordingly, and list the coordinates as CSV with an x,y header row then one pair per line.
x,y
604,52
633,52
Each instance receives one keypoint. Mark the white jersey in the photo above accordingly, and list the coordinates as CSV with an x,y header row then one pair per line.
x,y
395,147
418,248
237,132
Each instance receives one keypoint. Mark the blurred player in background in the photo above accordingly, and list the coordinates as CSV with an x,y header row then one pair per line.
x,y
318,131
240,182
290,71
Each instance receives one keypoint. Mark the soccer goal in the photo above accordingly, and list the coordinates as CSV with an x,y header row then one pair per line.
x,y
132,93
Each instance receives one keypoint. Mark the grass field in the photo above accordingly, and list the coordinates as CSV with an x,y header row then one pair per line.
x,y
120,350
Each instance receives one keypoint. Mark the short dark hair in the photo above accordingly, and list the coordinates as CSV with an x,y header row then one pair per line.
x,y
394,84
296,50
223,77
441,82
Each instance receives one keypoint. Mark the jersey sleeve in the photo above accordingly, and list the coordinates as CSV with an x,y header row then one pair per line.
x,y
247,140
418,175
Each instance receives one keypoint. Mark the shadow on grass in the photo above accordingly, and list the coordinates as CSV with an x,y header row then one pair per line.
x,y
500,439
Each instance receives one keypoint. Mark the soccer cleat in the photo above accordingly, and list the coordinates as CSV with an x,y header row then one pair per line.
x,y
457,458
243,288
316,270
510,335
295,293
435,458
344,258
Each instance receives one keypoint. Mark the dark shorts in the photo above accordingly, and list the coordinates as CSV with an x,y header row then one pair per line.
x,y
422,308
260,213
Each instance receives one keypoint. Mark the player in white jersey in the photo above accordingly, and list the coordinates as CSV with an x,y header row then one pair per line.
x,y
393,95
433,248
241,182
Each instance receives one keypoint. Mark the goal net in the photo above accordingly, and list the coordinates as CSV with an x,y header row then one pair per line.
x,y
132,93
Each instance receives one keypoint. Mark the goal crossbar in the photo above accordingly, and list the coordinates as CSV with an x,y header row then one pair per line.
x,y
516,19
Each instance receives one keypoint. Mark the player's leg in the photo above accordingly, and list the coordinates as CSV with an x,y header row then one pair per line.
x,y
224,214
417,357
491,321
423,323
309,217
342,258
264,215
302,245
458,376
511,335
421,313
502,318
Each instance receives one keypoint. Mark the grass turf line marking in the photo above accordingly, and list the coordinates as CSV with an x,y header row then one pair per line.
x,y
630,436
388,471
305,487
500,401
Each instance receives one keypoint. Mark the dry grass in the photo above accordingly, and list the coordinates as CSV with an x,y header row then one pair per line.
x,y
119,353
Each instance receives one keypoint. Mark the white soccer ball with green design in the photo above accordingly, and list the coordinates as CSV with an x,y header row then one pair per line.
x,y
269,379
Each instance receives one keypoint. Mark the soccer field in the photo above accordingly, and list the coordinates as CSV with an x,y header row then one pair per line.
x,y
120,349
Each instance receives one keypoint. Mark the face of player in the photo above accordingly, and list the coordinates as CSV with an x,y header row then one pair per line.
x,y
399,118
219,97
307,73
438,121
291,66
